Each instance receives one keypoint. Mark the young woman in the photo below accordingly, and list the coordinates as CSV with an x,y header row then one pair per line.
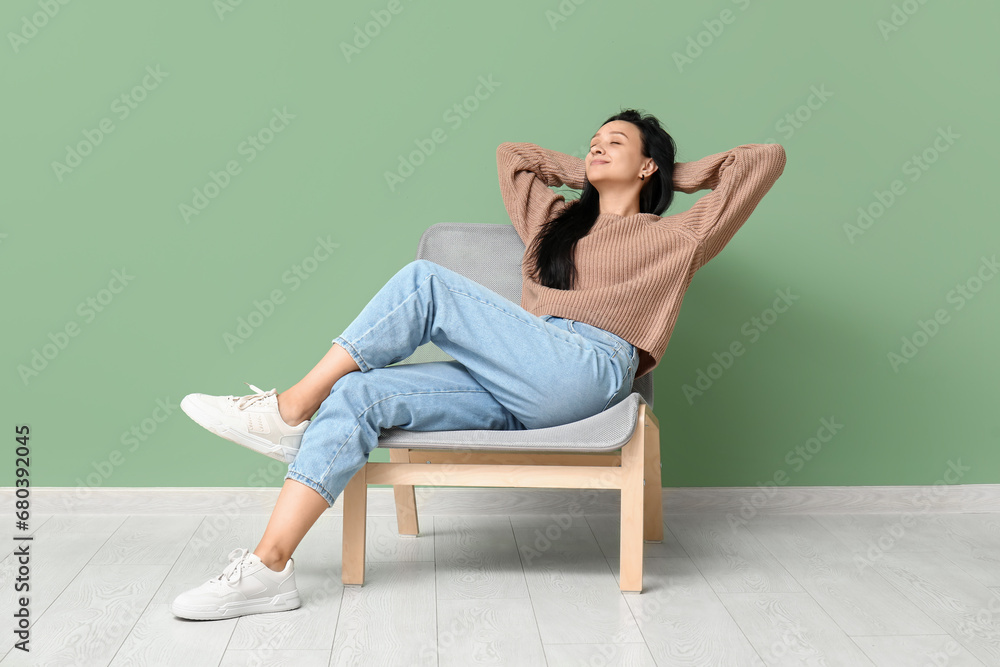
x,y
603,280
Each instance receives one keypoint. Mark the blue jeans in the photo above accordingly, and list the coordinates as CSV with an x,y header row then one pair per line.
x,y
512,370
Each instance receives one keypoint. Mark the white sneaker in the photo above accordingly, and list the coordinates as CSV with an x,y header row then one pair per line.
x,y
246,586
252,421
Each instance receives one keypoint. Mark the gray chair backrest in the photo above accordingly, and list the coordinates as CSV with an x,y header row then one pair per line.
x,y
491,255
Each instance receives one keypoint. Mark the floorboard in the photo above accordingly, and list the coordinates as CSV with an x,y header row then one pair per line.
x,y
524,577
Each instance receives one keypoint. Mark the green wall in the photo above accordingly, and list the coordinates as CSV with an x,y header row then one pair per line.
x,y
862,95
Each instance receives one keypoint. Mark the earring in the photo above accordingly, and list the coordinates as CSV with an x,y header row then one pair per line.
x,y
642,177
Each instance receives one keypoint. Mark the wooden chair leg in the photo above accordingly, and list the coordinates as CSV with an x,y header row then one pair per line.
x,y
355,515
406,499
652,530
631,546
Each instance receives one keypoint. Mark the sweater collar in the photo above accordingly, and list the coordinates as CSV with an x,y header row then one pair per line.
x,y
614,218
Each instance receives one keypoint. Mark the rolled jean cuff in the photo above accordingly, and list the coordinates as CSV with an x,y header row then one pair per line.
x,y
351,350
299,477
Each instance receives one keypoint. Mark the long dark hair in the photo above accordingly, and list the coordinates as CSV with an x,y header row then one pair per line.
x,y
551,251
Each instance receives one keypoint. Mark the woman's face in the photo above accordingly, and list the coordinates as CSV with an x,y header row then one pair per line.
x,y
616,155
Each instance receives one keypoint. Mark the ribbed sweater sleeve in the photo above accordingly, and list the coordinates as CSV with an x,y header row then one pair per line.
x,y
526,171
739,178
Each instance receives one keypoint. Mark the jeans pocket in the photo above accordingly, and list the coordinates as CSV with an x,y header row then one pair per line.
x,y
596,333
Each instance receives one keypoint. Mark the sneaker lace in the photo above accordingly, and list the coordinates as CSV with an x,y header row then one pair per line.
x,y
237,560
242,402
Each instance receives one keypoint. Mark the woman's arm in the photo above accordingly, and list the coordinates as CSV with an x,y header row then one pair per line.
x,y
739,179
526,172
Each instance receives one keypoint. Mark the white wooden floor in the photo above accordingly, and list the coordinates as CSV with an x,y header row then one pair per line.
x,y
518,577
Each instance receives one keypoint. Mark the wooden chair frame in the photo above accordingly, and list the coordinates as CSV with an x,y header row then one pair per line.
x,y
634,470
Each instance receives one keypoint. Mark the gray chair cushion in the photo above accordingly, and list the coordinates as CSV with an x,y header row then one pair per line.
x,y
491,255
604,432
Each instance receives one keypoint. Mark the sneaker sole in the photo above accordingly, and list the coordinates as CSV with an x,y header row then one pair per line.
x,y
281,602
204,419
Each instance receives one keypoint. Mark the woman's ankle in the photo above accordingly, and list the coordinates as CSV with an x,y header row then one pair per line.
x,y
271,558
289,412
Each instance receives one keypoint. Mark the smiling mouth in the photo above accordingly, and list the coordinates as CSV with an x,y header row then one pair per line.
x,y
598,162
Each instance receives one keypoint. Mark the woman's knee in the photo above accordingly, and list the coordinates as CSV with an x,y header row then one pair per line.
x,y
349,385
357,394
413,272
421,268
415,267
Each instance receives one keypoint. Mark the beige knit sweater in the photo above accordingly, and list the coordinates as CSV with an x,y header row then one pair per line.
x,y
632,271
